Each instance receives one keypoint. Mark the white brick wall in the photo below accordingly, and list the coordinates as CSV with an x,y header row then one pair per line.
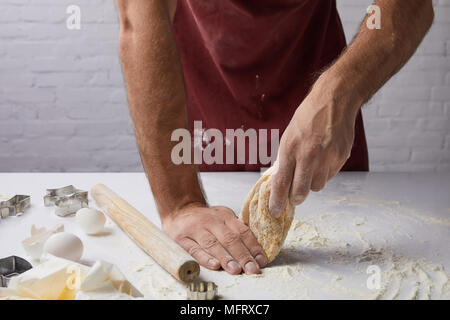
x,y
63,105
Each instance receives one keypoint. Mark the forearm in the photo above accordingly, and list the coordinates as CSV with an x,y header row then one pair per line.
x,y
318,140
157,100
377,54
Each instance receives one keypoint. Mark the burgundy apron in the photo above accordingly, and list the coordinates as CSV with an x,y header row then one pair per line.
x,y
250,63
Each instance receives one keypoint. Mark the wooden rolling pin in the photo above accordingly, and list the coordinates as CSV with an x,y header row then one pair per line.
x,y
149,237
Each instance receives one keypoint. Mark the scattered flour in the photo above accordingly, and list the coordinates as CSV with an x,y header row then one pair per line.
x,y
325,256
305,235
359,221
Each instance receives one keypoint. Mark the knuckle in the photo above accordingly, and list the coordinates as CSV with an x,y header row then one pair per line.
x,y
257,250
280,183
301,190
314,149
343,154
288,143
209,242
225,259
243,258
194,250
341,157
245,231
230,238
224,211
178,237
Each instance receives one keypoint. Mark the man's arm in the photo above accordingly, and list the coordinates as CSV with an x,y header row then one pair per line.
x,y
156,97
321,131
376,55
157,101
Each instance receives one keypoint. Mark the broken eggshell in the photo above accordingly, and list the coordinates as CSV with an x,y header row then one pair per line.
x,y
34,245
90,220
64,245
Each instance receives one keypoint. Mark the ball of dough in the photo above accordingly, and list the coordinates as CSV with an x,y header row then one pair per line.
x,y
269,231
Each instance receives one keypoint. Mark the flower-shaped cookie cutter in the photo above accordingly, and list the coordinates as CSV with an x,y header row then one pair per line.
x,y
202,290
67,200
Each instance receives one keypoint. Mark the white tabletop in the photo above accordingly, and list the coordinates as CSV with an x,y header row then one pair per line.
x,y
393,222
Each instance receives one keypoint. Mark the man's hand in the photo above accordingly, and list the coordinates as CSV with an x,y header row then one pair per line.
x,y
215,238
314,147
319,137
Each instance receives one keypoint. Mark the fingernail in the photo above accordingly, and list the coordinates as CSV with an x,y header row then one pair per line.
x,y
234,267
262,261
275,211
251,268
298,200
213,263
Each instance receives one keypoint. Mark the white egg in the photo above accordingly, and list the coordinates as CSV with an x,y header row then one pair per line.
x,y
91,221
64,245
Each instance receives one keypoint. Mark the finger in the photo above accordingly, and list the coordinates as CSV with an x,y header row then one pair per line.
x,y
301,183
232,242
204,259
249,240
281,183
333,172
320,176
335,168
329,175
246,235
212,245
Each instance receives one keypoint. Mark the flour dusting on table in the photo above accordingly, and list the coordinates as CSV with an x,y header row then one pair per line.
x,y
326,256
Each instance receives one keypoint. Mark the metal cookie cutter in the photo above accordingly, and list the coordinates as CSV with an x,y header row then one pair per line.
x,y
67,200
14,206
10,267
202,291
